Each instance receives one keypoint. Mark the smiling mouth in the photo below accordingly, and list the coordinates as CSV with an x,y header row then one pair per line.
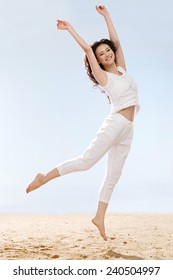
x,y
108,58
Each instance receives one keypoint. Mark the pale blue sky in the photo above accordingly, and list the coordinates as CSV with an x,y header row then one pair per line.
x,y
49,111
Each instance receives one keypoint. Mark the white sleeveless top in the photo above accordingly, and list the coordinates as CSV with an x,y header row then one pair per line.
x,y
121,90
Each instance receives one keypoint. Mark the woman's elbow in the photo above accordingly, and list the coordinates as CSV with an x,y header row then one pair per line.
x,y
88,49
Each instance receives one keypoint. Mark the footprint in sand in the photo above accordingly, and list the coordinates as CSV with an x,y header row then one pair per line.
x,y
7,249
55,257
62,238
116,255
44,249
75,246
12,249
83,257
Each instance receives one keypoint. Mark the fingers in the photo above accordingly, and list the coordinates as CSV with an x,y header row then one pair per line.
x,y
100,7
60,21
60,24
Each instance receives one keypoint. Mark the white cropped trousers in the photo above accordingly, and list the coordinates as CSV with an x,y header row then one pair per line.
x,y
114,139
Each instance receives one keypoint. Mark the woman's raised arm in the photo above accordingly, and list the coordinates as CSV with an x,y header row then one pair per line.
x,y
98,73
64,25
112,35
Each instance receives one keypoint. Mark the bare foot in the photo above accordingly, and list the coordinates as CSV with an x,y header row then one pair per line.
x,y
36,183
101,228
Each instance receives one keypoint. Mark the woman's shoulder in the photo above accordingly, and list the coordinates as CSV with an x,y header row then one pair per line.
x,y
110,81
121,69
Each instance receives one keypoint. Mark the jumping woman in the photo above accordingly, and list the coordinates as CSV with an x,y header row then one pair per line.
x,y
105,65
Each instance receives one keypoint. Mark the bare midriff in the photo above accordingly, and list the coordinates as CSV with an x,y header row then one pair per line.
x,y
128,113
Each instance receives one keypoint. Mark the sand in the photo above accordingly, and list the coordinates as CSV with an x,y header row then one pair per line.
x,y
74,237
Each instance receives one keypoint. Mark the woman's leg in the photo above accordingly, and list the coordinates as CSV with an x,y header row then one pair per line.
x,y
116,157
42,179
110,131
99,218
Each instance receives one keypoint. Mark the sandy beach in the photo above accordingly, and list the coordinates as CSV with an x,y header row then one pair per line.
x,y
74,237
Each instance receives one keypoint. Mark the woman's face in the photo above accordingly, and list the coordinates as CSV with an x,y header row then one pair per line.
x,y
105,55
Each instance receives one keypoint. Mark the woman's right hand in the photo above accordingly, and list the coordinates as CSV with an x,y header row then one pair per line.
x,y
63,25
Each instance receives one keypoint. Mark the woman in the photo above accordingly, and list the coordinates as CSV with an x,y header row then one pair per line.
x,y
106,67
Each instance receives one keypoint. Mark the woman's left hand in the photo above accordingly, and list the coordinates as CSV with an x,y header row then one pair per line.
x,y
102,10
